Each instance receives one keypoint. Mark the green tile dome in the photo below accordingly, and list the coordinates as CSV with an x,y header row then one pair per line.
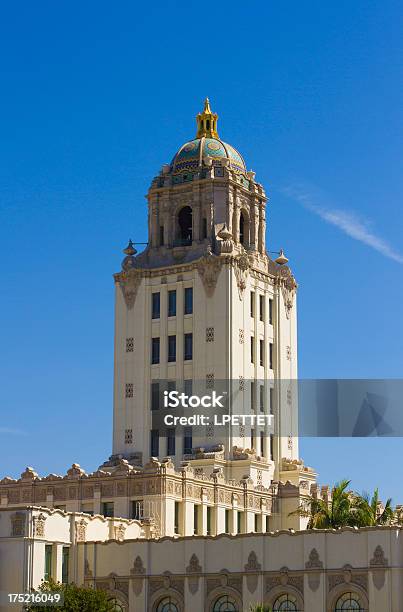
x,y
192,153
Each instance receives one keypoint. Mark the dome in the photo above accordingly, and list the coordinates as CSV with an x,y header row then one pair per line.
x,y
206,144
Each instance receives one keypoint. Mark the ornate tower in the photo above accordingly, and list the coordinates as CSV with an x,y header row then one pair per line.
x,y
202,303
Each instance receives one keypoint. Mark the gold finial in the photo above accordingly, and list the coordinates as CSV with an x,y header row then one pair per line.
x,y
207,122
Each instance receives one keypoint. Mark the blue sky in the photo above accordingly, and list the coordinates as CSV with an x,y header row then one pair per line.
x,y
95,98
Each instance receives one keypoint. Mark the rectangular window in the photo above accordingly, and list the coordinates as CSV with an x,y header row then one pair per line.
x,y
155,350
267,524
261,352
239,522
208,520
256,523
172,303
65,564
271,447
262,443
176,524
195,519
48,562
171,348
170,442
188,307
156,305
227,517
252,303
204,228
187,441
161,235
137,509
252,394
271,355
155,395
155,443
270,311
188,348
261,307
188,386
261,398
252,349
171,385
108,509
252,438
271,398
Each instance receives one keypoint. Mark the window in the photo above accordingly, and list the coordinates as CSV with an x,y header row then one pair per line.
x,y
155,395
168,604
252,438
172,303
155,443
271,355
271,398
155,350
195,519
204,228
261,352
285,603
187,441
270,311
256,526
185,225
261,307
271,447
48,561
225,603
108,509
239,522
227,518
252,349
137,509
242,228
209,510
161,235
155,305
176,524
188,349
171,348
188,386
262,443
65,564
252,303
188,309
349,601
170,442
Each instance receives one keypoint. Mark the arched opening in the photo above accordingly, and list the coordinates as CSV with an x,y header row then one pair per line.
x,y
185,225
350,601
286,603
225,603
167,604
244,229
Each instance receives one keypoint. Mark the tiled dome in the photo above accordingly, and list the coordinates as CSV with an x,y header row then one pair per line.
x,y
192,153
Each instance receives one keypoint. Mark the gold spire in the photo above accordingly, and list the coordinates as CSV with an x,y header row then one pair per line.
x,y
207,122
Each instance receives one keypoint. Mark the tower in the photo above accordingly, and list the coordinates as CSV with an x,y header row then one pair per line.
x,y
203,303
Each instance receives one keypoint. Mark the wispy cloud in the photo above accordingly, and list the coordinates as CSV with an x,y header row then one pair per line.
x,y
13,432
347,221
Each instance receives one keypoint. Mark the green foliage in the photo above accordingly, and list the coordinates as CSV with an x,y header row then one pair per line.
x,y
259,608
346,509
76,599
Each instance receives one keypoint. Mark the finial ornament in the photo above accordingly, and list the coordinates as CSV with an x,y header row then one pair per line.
x,y
207,122
130,250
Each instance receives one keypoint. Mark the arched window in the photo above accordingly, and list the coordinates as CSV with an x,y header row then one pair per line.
x,y
349,601
167,604
242,229
117,606
225,603
286,603
185,225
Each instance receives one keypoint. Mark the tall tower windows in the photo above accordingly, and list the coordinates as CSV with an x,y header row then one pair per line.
x,y
155,305
188,309
188,347
244,228
171,348
185,225
155,350
172,303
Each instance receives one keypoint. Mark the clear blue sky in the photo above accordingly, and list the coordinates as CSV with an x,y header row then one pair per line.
x,y
97,96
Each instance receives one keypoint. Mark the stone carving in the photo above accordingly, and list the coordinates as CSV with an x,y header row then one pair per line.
x,y
17,524
29,474
378,560
314,561
241,269
39,525
120,532
81,528
209,268
288,289
75,471
194,567
225,243
252,567
138,571
129,282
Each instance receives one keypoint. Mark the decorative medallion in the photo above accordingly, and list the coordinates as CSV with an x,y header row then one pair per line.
x,y
209,268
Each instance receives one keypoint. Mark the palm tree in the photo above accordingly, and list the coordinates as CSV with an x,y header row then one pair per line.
x,y
259,608
369,511
323,514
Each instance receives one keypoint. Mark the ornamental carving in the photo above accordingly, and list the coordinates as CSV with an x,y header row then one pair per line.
x,y
241,269
39,526
120,532
209,268
193,568
378,564
314,561
81,529
378,560
288,289
130,282
252,567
